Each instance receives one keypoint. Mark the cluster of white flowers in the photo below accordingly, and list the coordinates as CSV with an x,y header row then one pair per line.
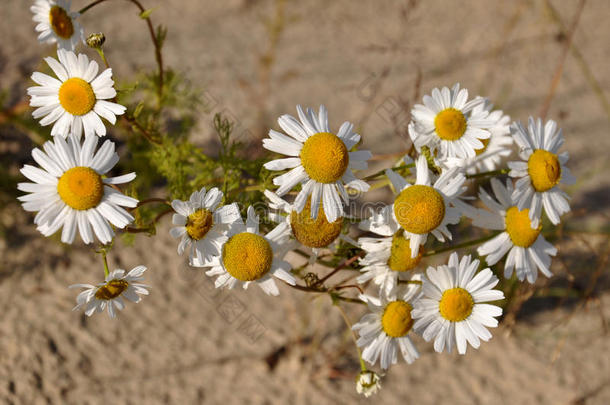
x,y
455,140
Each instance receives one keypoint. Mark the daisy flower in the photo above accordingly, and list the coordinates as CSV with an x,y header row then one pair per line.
x,y
76,101
422,208
319,159
368,383
527,249
56,23
248,257
384,330
387,261
70,190
202,224
495,149
315,233
541,170
110,293
447,122
452,311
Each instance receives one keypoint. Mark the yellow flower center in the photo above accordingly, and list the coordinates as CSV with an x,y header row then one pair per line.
x,y
315,233
544,170
76,96
519,227
111,289
396,320
485,145
419,209
400,254
324,157
450,124
81,188
61,22
247,256
456,304
199,223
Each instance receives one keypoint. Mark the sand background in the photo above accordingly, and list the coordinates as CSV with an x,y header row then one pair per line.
x,y
188,343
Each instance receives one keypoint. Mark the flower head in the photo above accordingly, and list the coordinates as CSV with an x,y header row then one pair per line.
x,y
368,383
57,24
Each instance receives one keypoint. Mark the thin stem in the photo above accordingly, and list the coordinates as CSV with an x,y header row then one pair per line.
x,y
100,51
461,245
345,263
382,171
354,337
106,271
485,174
152,200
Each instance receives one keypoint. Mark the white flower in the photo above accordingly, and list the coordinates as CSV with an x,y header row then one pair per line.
x,y
319,159
527,249
110,293
422,208
452,311
70,190
202,225
384,330
541,170
76,101
368,383
250,257
56,23
495,149
448,123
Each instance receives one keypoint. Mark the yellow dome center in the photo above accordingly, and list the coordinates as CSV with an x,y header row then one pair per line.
x,y
400,254
544,170
61,22
324,157
396,320
315,233
76,96
247,256
199,223
111,289
419,209
519,227
450,124
456,304
81,188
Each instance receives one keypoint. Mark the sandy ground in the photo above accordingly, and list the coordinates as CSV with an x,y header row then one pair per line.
x,y
188,343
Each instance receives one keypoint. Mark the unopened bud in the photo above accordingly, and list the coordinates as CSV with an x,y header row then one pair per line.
x,y
96,41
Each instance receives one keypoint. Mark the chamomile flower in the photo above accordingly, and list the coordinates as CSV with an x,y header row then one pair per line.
x,y
70,190
248,257
541,170
315,233
368,383
111,292
422,208
527,249
453,310
202,225
496,148
319,159
75,101
56,23
384,330
447,122
387,261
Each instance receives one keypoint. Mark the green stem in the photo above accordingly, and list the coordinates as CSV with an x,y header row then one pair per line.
x,y
461,245
382,171
355,339
106,271
486,174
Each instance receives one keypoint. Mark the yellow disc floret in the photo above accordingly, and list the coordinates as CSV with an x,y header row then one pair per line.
x,y
324,157
396,320
61,22
76,96
400,254
450,124
544,170
111,289
519,227
485,145
199,223
419,209
315,233
247,256
81,188
456,304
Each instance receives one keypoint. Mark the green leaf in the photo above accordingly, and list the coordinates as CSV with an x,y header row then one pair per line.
x,y
146,13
